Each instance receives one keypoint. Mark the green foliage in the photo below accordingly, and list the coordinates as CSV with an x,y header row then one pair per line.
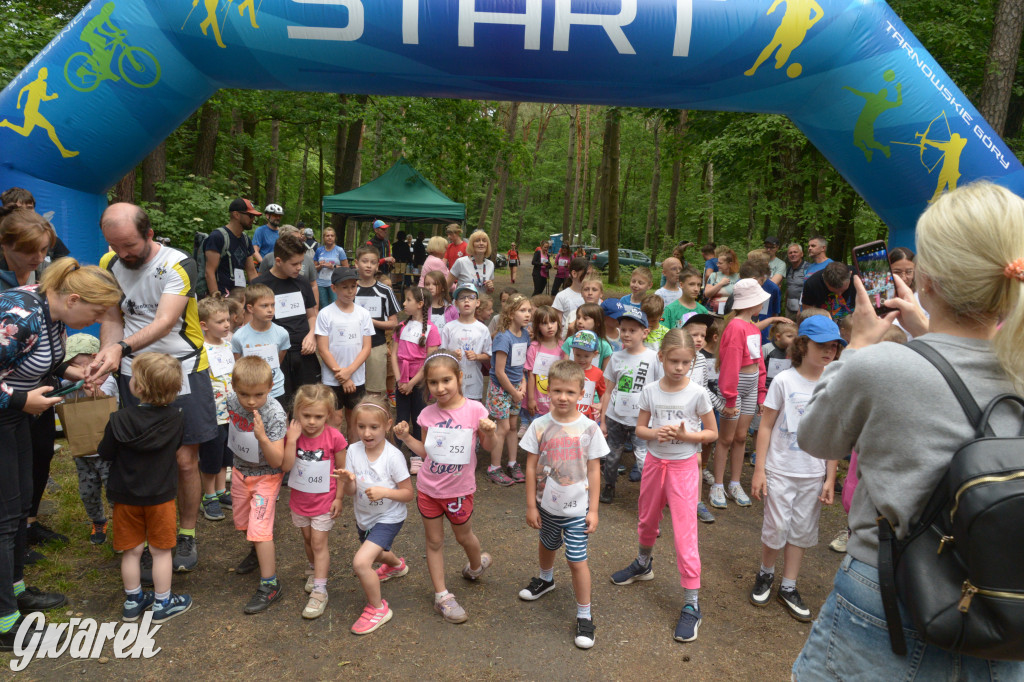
x,y
191,205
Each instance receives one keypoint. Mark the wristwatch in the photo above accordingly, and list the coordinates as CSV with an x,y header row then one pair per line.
x,y
125,348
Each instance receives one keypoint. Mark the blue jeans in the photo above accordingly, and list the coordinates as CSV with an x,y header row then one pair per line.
x,y
849,641
327,296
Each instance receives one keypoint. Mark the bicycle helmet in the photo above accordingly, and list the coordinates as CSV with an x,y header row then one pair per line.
x,y
274,208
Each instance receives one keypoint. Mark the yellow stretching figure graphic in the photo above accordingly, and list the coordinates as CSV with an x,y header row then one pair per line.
x,y
799,17
37,93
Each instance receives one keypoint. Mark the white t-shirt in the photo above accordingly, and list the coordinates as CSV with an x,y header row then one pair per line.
x,y
669,296
567,301
387,472
789,394
475,337
345,333
564,450
169,272
626,375
668,409
467,271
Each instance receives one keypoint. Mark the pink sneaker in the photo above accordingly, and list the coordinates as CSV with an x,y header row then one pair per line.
x,y
498,476
371,619
385,572
485,563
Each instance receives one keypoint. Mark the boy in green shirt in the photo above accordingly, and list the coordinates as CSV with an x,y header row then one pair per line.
x,y
689,282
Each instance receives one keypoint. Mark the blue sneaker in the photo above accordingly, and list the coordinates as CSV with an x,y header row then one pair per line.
x,y
211,508
224,499
635,474
134,606
175,605
689,623
704,514
634,572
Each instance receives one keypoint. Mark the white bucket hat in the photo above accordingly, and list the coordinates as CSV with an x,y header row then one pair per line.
x,y
747,293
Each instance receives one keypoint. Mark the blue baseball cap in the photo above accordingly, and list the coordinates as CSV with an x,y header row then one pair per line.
x,y
820,329
380,224
613,308
634,314
466,287
585,340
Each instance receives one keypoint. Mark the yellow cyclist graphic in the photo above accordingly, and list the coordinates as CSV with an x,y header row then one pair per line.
x,y
212,22
84,71
36,91
875,103
798,19
951,150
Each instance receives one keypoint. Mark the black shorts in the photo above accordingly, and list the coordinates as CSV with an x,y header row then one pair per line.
x,y
198,407
214,455
349,401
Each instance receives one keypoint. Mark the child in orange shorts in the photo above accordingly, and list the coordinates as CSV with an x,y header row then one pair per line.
x,y
141,442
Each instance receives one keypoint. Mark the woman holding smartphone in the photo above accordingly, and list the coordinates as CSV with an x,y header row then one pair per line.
x,y
905,439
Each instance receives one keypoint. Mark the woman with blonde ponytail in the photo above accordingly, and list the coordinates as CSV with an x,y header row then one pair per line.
x,y
898,411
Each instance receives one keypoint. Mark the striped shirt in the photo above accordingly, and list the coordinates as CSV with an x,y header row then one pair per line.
x,y
41,360
380,300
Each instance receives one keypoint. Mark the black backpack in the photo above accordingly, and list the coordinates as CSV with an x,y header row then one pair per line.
x,y
960,570
199,256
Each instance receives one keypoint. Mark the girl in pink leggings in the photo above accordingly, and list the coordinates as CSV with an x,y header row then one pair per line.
x,y
676,418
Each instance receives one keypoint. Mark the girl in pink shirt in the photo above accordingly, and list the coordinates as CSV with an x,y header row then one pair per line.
x,y
741,381
414,339
440,299
447,480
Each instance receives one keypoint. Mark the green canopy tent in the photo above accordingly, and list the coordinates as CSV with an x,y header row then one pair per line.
x,y
401,195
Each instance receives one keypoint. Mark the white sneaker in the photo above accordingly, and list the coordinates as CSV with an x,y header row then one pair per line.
x,y
716,498
840,541
709,478
735,491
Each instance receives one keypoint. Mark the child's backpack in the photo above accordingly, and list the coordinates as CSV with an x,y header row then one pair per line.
x,y
958,571
199,256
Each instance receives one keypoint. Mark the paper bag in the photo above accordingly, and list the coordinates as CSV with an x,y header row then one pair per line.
x,y
84,420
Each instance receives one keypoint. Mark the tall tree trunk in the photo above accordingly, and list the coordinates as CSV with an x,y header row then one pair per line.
x,y
709,188
602,215
612,190
586,171
275,144
751,213
124,190
623,210
320,194
567,195
499,204
206,143
844,238
302,182
578,153
340,136
524,188
154,170
485,206
353,140
1001,64
652,204
248,159
678,130
378,146
593,213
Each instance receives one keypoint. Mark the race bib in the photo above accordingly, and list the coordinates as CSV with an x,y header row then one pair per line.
x,y
587,399
289,305
472,382
437,320
239,276
795,406
542,363
363,502
370,303
518,355
628,404
243,444
721,306
222,360
754,346
348,334
449,446
268,353
411,332
311,477
776,365
764,308
564,500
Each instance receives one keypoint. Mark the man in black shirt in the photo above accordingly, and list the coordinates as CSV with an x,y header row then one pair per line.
x,y
379,241
831,289
295,310
236,267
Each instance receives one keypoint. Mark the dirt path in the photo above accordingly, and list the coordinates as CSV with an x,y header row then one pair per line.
x,y
505,638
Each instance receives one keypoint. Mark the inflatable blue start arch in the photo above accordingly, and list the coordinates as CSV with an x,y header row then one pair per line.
x,y
125,73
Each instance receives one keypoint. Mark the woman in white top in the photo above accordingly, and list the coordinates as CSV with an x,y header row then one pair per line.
x,y
719,286
475,268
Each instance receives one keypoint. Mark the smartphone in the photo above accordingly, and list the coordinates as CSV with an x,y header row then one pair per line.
x,y
871,263
65,391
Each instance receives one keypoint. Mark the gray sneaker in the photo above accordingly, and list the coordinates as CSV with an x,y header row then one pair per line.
x,y
186,556
840,541
450,609
735,491
212,509
704,514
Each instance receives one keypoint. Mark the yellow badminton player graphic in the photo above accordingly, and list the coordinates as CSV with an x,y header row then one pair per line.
x,y
875,104
36,91
951,150
798,19
212,22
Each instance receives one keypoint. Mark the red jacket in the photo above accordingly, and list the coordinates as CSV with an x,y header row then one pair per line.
x,y
734,353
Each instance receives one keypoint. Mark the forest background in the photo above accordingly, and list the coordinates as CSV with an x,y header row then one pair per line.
x,y
607,176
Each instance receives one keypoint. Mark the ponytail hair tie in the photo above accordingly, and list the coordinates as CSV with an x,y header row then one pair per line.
x,y
1015,270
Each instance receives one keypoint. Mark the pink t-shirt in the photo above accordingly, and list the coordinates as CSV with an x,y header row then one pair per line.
x,y
429,265
540,375
443,481
323,447
411,355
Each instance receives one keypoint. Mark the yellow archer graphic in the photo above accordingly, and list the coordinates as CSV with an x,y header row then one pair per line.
x,y
875,103
951,149
211,20
37,93
798,19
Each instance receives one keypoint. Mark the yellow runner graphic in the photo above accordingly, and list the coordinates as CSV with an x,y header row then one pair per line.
x,y
37,93
798,19
212,22
951,149
875,103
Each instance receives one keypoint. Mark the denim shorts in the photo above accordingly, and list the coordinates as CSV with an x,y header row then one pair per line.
x,y
849,641
380,534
